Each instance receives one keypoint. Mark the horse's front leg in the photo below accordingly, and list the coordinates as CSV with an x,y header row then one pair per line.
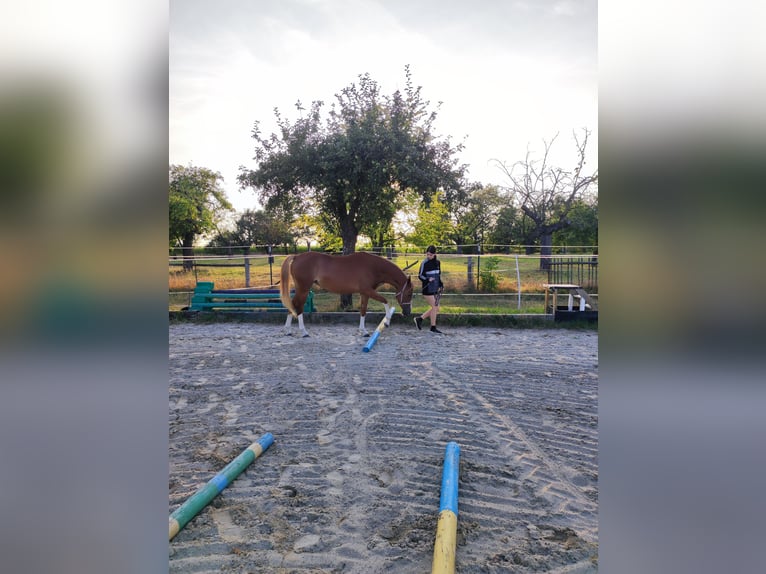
x,y
378,297
363,299
389,313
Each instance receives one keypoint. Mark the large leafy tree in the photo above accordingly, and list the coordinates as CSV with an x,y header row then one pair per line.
x,y
583,225
477,214
196,202
458,205
256,227
433,225
355,165
507,230
305,229
546,194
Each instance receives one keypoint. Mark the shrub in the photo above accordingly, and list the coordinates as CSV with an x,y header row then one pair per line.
x,y
488,279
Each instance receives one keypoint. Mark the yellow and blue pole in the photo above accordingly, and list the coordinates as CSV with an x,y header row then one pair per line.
x,y
446,528
189,509
374,336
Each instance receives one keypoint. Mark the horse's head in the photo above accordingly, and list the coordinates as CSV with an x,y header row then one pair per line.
x,y
404,296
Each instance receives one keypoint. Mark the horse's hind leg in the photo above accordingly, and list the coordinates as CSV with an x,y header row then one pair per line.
x,y
298,301
301,327
288,324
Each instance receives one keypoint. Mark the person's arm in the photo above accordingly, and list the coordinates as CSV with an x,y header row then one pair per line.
x,y
421,274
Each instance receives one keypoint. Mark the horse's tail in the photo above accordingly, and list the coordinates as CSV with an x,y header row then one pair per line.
x,y
284,284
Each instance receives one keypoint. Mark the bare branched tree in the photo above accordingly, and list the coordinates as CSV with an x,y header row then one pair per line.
x,y
546,194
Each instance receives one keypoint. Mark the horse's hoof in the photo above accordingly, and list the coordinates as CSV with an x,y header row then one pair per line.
x,y
304,335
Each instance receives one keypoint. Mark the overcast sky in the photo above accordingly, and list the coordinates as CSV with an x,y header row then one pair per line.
x,y
509,73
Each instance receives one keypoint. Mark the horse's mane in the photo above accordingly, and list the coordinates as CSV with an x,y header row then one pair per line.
x,y
391,265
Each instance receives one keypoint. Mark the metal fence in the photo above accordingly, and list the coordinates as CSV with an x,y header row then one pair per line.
x,y
582,271
479,275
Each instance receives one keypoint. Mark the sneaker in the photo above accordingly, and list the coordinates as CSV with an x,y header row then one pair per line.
x,y
419,322
435,330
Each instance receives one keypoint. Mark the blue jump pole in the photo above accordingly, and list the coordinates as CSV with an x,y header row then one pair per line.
x,y
371,343
194,504
446,528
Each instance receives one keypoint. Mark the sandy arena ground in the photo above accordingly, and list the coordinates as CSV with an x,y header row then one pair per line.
x,y
351,483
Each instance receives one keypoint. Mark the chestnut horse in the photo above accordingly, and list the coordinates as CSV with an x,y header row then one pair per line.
x,y
359,273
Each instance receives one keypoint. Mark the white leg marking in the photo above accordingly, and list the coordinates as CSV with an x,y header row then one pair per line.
x,y
288,324
362,329
389,313
301,327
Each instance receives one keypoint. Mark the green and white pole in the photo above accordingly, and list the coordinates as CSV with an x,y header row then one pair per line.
x,y
200,499
446,527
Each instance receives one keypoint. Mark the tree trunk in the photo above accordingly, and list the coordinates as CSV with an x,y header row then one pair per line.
x,y
546,242
188,251
349,234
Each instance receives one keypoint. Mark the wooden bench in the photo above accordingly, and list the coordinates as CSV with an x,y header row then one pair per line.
x,y
206,297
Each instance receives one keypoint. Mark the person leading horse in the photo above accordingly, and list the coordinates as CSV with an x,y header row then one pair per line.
x,y
358,272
